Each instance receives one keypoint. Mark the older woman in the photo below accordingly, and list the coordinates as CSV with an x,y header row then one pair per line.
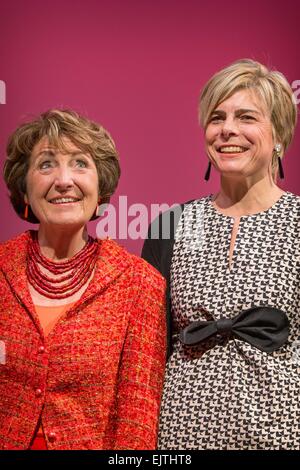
x,y
81,320
232,379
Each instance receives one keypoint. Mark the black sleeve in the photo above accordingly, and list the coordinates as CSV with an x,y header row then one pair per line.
x,y
158,246
151,252
158,250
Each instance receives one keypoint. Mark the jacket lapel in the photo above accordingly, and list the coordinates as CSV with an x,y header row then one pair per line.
x,y
13,265
112,261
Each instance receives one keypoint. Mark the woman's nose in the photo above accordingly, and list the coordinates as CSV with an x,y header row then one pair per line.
x,y
63,177
229,128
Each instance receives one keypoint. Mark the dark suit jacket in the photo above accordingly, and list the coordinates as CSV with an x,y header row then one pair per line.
x,y
158,251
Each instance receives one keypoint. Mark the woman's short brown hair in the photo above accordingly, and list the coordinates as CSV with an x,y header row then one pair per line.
x,y
55,124
270,86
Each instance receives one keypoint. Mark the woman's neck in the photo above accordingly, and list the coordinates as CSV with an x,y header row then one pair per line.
x,y
243,197
58,244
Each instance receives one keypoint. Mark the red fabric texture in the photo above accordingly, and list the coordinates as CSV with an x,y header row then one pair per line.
x,y
96,379
39,443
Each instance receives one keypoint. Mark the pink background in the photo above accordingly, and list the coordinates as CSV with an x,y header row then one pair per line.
x,y
137,67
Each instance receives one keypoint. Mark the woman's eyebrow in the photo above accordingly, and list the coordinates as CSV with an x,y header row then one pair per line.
x,y
48,153
238,111
79,152
218,111
247,110
51,153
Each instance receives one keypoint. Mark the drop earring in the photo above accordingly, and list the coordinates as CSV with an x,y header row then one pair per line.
x,y
277,149
207,174
98,207
26,211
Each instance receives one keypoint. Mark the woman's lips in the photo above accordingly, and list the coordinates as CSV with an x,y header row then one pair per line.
x,y
232,149
64,200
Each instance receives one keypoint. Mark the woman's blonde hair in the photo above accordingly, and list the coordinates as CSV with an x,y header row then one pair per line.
x,y
56,124
270,86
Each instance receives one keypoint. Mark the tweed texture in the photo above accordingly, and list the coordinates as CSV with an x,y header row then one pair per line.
x,y
225,394
97,383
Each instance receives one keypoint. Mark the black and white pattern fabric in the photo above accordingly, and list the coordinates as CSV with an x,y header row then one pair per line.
x,y
225,393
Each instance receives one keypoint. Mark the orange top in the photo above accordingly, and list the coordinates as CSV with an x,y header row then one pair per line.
x,y
48,317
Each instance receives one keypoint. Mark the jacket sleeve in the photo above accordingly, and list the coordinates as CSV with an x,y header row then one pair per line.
x,y
158,251
142,365
158,246
151,252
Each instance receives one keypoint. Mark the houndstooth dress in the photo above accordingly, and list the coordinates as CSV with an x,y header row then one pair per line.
x,y
225,393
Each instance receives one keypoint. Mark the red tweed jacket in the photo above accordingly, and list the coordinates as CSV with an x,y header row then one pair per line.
x,y
96,379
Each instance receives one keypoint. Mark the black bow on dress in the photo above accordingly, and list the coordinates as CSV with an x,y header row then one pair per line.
x,y
266,328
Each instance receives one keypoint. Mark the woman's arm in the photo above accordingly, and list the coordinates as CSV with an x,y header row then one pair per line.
x,y
142,364
158,251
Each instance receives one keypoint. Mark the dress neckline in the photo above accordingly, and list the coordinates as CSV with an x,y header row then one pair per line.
x,y
257,214
55,307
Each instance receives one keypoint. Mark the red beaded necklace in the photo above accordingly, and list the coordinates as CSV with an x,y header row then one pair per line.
x,y
74,272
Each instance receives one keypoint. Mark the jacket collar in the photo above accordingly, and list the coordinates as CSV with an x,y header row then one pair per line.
x,y
112,261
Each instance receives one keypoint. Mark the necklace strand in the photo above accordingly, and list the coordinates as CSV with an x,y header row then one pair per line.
x,y
74,272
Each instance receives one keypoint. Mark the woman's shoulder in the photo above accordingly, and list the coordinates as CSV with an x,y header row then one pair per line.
x,y
119,256
291,204
13,245
293,198
162,227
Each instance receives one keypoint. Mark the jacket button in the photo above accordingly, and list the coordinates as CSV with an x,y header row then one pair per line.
x,y
52,436
41,349
38,392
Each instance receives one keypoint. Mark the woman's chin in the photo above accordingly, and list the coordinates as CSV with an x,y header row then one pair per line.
x,y
232,169
65,221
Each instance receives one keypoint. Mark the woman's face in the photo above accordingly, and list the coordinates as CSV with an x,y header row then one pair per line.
x,y
62,188
238,136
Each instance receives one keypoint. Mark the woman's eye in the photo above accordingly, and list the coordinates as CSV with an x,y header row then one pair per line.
x,y
246,117
215,118
81,163
44,165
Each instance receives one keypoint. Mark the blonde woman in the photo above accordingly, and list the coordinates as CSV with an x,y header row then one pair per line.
x,y
232,379
82,320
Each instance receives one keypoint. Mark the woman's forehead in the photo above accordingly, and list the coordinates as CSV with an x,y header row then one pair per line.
x,y
244,99
63,144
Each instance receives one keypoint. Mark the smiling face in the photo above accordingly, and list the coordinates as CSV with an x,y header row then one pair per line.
x,y
62,187
238,136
